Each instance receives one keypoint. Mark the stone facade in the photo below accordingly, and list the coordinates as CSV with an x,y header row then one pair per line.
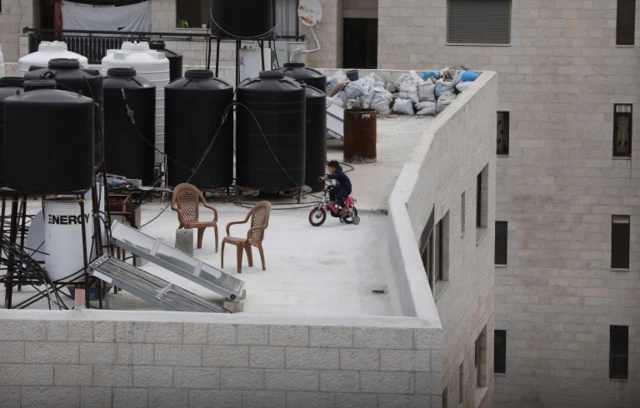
x,y
16,14
558,189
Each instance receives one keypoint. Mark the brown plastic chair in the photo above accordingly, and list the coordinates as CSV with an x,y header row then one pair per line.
x,y
259,215
186,202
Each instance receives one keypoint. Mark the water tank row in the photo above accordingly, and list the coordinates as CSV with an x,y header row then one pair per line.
x,y
280,140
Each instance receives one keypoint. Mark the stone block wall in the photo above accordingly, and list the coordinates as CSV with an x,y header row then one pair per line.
x,y
360,8
16,14
164,361
558,188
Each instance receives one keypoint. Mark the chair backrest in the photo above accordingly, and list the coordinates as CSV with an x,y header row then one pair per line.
x,y
259,220
186,198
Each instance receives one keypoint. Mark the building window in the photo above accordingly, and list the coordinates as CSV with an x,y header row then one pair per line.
x,y
503,134
445,398
619,352
620,235
500,352
501,242
481,359
426,249
287,18
461,384
442,249
626,22
482,194
479,21
463,211
192,13
622,119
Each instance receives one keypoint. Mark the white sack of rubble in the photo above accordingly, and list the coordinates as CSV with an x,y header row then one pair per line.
x,y
403,106
426,108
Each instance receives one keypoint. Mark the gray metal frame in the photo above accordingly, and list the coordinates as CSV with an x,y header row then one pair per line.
x,y
150,288
176,261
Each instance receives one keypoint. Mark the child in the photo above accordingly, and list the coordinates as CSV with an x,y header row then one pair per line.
x,y
343,190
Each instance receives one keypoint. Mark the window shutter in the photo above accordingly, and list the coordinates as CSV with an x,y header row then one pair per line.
x,y
501,242
479,22
626,22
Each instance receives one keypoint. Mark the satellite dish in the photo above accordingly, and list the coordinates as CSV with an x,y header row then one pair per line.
x,y
310,12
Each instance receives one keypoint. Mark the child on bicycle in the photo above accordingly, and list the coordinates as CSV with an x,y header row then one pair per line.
x,y
343,189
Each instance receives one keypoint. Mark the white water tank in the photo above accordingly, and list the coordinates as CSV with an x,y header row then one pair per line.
x,y
150,65
48,51
1,63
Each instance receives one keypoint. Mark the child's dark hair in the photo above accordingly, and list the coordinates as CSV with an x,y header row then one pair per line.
x,y
333,164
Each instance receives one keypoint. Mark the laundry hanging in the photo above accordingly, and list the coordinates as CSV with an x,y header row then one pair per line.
x,y
135,17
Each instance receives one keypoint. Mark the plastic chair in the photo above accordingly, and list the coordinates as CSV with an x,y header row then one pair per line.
x,y
186,202
259,216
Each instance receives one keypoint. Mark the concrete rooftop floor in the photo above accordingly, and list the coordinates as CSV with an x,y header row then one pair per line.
x,y
327,271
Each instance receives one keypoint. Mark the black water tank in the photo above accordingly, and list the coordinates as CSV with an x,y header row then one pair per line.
x,y
70,77
278,105
303,74
9,86
39,84
195,106
174,57
49,144
129,148
241,18
316,137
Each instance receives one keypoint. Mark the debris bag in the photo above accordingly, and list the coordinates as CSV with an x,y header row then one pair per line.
x,y
401,79
469,76
427,92
445,101
336,83
445,88
381,102
343,97
354,104
463,86
426,108
403,106
358,88
431,74
378,84
391,87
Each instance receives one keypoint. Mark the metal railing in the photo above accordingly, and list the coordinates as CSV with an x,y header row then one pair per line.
x,y
94,44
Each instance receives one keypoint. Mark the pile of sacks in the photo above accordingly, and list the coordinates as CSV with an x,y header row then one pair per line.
x,y
410,94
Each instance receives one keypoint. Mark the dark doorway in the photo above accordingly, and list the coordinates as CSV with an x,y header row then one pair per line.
x,y
360,46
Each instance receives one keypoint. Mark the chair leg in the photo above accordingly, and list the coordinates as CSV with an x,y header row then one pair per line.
x,y
264,268
200,236
215,229
222,256
249,254
240,252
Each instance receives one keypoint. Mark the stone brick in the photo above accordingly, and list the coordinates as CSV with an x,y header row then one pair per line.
x,y
312,358
104,332
339,381
23,374
404,401
164,333
195,333
130,398
382,338
173,355
225,356
22,330
11,352
168,398
50,397
57,330
428,339
196,377
10,397
266,357
355,359
288,336
61,353
387,383
153,377
73,375
399,360
95,397
98,353
356,400
264,399
81,331
222,334
135,354
112,376
223,399
242,379
252,335
310,399
326,336
292,380
428,383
